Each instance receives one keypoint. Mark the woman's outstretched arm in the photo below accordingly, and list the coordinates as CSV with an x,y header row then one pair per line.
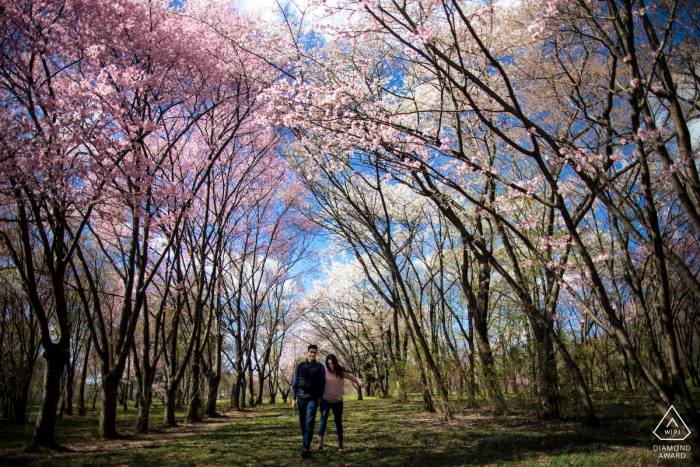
x,y
351,377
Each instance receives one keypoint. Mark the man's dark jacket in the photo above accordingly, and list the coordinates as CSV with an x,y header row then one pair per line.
x,y
309,381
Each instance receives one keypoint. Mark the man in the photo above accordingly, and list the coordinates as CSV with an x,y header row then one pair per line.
x,y
307,388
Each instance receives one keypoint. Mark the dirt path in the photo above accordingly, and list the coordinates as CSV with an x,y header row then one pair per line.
x,y
83,446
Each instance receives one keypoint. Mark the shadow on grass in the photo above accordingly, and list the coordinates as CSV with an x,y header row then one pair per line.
x,y
381,433
278,442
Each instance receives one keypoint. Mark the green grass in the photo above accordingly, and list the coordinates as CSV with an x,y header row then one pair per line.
x,y
382,433
75,428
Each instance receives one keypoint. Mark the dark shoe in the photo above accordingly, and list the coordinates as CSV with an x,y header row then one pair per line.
x,y
305,454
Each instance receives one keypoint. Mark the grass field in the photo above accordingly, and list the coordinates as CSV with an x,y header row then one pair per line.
x,y
377,433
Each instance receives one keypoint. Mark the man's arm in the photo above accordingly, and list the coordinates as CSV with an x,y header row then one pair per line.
x,y
295,383
323,382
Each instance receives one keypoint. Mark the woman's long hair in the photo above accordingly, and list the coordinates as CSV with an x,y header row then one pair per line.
x,y
338,372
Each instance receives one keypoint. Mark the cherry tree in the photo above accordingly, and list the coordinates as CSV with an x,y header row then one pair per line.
x,y
19,349
275,236
467,99
50,125
353,323
103,133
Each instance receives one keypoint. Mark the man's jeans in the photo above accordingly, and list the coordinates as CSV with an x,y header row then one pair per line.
x,y
337,408
307,418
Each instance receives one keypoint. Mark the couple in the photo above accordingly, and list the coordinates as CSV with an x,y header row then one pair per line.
x,y
315,384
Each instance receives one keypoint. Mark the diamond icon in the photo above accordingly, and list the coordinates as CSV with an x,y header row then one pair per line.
x,y
672,427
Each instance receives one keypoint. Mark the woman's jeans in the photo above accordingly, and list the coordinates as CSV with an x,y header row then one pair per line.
x,y
326,408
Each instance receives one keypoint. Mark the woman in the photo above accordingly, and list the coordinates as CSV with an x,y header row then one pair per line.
x,y
333,398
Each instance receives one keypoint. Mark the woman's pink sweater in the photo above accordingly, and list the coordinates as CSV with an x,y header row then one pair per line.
x,y
334,385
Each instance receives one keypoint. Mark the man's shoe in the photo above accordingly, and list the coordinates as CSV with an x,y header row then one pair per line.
x,y
305,454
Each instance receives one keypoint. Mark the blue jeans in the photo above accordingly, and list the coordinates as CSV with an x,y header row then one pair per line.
x,y
326,408
307,418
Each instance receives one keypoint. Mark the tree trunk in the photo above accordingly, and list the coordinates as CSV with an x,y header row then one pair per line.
x,y
381,390
144,411
144,379
261,387
21,409
242,391
195,405
471,383
108,413
589,413
63,404
83,377
548,385
284,395
401,394
478,307
125,395
545,354
5,400
170,399
184,395
70,383
251,401
236,392
272,383
213,395
56,359
215,378
428,405
96,393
